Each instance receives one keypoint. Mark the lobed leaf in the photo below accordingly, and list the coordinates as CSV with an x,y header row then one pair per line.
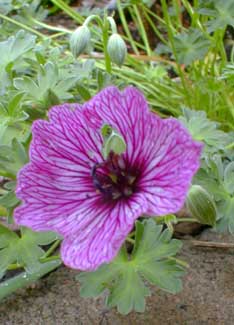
x,y
24,250
124,277
191,45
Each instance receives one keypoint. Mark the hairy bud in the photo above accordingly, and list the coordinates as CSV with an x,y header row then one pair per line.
x,y
201,205
80,40
117,49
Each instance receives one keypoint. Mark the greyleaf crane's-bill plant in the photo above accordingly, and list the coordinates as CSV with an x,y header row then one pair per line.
x,y
93,200
108,176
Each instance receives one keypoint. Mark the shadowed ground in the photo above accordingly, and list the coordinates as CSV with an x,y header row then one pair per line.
x,y
207,298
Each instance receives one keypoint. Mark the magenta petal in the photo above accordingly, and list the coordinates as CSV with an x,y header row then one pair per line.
x,y
57,180
99,240
126,111
169,166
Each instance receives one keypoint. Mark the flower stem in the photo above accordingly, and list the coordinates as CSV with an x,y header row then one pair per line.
x,y
51,249
130,240
178,261
14,266
92,17
7,174
105,41
187,220
50,258
112,25
132,234
43,259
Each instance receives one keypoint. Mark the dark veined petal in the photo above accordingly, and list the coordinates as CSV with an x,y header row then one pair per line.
x,y
169,166
162,149
126,111
101,232
58,179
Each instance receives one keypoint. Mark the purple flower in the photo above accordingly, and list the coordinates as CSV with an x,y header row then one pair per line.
x,y
69,188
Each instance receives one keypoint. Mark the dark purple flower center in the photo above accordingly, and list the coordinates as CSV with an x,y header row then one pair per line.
x,y
113,179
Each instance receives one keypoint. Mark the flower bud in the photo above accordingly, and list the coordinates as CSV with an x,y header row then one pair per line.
x,y
201,205
80,40
117,49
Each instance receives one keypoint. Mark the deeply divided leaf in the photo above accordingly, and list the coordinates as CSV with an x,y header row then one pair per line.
x,y
124,278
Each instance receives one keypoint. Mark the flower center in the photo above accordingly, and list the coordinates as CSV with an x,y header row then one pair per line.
x,y
113,179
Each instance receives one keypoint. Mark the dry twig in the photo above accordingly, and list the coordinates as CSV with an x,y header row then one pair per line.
x,y
211,244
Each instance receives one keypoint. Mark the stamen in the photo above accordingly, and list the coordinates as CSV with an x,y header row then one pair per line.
x,y
113,177
111,180
131,179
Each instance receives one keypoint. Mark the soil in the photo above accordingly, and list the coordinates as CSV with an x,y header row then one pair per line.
x,y
207,297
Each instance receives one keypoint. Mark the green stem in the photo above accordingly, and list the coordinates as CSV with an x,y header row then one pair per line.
x,y
69,11
177,8
112,25
49,27
92,17
230,146
14,266
43,259
187,220
132,234
193,15
142,29
178,261
158,18
130,240
153,26
223,54
171,40
51,249
170,227
105,41
50,258
126,28
57,35
7,174
24,279
23,26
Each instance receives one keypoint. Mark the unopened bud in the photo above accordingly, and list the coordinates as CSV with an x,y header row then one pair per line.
x,y
201,205
117,49
80,40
